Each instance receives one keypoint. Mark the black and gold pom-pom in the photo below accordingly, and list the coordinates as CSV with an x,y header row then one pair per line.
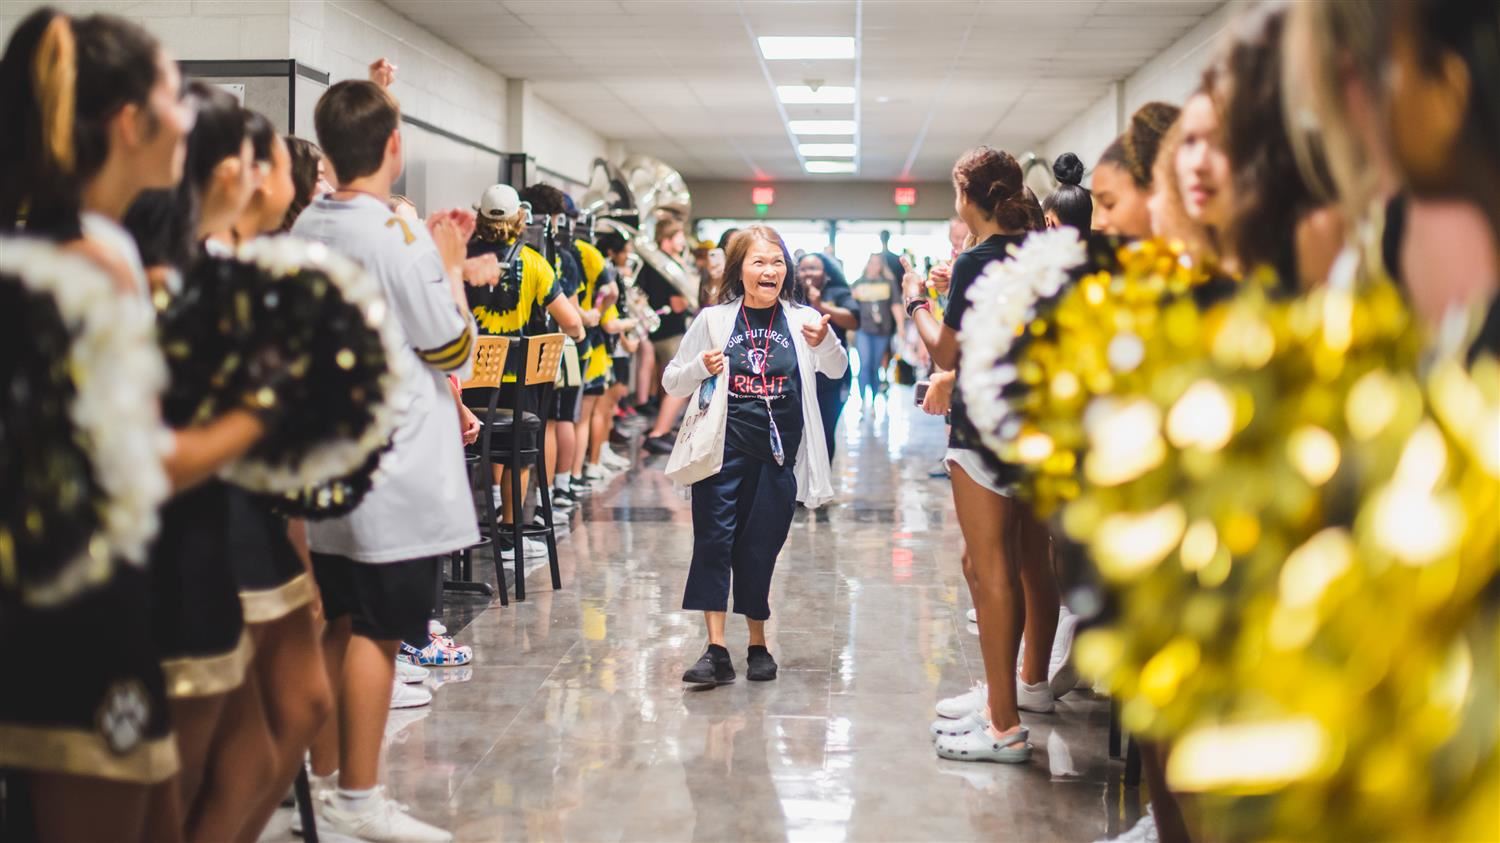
x,y
50,502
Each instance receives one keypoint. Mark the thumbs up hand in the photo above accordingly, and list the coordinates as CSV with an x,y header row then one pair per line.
x,y
815,332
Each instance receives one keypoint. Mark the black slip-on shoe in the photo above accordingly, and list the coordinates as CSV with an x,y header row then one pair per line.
x,y
762,666
713,668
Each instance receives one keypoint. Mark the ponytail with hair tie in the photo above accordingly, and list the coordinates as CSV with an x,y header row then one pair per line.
x,y
55,78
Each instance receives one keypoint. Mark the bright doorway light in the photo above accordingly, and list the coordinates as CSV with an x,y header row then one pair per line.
x,y
821,127
778,47
829,166
825,95
831,150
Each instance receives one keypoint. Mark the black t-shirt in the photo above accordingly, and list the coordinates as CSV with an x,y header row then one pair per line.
x,y
967,267
659,292
764,384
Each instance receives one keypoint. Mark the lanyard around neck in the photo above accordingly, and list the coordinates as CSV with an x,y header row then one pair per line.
x,y
765,384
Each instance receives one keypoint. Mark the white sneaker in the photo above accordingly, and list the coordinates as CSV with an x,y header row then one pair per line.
x,y
973,616
534,548
594,472
409,696
409,674
321,789
1062,677
608,456
1144,831
1036,698
965,704
383,821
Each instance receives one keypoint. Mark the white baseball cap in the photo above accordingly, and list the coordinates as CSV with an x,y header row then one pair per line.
x,y
499,202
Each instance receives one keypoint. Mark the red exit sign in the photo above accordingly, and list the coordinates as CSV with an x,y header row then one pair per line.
x,y
763,196
905,196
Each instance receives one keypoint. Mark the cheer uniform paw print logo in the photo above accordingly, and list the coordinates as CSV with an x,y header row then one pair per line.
x,y
123,717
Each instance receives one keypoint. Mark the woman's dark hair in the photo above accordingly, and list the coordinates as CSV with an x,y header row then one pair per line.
x,y
1469,30
57,138
305,156
991,179
545,199
1135,150
218,133
610,242
734,261
1071,201
261,133
164,234
165,222
727,236
1270,193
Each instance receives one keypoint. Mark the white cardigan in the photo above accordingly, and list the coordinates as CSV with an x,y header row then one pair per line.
x,y
712,329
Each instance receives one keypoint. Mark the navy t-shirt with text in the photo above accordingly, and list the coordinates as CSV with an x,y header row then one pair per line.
x,y
763,384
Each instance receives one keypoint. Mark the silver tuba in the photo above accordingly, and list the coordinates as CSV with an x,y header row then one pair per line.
x,y
631,198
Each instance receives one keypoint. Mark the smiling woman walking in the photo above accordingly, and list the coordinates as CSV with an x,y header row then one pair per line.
x,y
760,353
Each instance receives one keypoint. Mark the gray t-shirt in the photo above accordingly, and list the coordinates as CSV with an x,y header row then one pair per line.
x,y
421,505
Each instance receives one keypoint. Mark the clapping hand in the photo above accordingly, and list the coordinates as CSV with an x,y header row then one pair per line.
x,y
482,271
940,278
816,332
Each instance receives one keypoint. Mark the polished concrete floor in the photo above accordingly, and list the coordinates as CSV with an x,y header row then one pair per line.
x,y
572,723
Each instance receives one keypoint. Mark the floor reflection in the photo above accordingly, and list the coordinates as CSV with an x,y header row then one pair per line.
x,y
571,723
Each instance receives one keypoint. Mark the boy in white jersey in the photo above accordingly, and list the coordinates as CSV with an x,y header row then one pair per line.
x,y
377,566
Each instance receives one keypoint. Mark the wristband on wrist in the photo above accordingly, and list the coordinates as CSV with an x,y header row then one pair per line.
x,y
914,305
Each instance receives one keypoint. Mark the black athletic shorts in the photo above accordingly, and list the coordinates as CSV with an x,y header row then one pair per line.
x,y
567,404
622,369
388,601
91,699
271,578
196,615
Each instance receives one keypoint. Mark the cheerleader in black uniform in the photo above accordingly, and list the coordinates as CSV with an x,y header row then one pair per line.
x,y
276,589
97,119
223,739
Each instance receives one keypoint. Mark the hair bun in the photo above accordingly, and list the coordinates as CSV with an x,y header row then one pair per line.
x,y
1068,169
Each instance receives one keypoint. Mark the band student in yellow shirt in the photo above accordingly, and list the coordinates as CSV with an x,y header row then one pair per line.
x,y
507,308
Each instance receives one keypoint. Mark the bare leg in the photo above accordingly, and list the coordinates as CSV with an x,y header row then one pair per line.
x,y
585,434
1166,809
671,408
325,748
646,375
715,622
1039,588
604,420
364,705
507,506
84,808
567,444
757,632
995,585
549,459
243,757
294,685
194,720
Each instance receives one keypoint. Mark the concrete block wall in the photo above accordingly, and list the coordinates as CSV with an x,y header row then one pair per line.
x,y
436,83
191,29
1169,77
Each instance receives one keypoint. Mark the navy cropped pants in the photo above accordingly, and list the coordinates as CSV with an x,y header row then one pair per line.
x,y
741,517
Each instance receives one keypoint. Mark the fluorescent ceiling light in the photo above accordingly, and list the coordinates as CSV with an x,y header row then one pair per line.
x,y
821,127
836,150
777,47
804,95
829,166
